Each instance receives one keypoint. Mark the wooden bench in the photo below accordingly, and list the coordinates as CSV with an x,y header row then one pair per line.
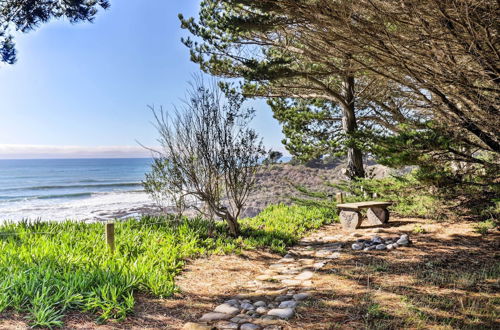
x,y
350,216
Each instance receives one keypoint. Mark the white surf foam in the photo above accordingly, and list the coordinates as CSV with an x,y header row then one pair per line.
x,y
98,206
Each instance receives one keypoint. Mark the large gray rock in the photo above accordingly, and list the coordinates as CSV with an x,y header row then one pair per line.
x,y
209,317
227,309
282,313
377,239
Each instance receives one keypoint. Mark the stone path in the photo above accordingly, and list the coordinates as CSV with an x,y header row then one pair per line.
x,y
275,294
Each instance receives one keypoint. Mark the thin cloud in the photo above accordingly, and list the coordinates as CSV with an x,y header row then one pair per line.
x,y
19,151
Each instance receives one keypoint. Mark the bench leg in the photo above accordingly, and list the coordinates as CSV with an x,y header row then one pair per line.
x,y
350,220
377,216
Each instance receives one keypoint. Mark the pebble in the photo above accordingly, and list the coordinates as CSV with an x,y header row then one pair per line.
x,y
251,313
357,246
390,247
196,326
306,275
318,265
260,303
334,255
301,296
209,317
263,277
377,239
227,309
233,302
282,313
247,306
403,241
227,325
239,319
262,310
291,282
283,298
395,245
288,304
249,326
381,247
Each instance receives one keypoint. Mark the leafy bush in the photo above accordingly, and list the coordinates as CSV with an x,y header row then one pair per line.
x,y
48,268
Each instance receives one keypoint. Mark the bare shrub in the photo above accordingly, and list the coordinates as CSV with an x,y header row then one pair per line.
x,y
209,154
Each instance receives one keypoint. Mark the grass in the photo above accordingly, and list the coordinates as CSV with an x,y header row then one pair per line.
x,y
48,269
484,227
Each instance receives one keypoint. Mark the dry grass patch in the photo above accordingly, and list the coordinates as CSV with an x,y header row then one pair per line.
x,y
448,279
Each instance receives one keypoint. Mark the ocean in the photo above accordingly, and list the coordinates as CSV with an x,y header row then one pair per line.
x,y
75,189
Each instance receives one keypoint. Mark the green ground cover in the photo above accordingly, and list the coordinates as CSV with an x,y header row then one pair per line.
x,y
47,269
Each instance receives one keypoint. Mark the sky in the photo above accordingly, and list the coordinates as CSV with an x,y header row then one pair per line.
x,y
83,90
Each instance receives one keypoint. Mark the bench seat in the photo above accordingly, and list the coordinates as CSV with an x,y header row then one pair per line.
x,y
363,205
351,218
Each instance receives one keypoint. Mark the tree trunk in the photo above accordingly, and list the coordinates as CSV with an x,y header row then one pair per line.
x,y
234,226
354,156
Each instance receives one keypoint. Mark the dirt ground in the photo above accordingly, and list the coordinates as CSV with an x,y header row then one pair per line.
x,y
447,279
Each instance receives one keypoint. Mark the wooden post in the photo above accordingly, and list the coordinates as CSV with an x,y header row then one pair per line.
x,y
340,198
110,236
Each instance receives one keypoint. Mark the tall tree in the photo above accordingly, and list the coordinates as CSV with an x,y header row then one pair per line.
x,y
278,59
429,64
26,15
